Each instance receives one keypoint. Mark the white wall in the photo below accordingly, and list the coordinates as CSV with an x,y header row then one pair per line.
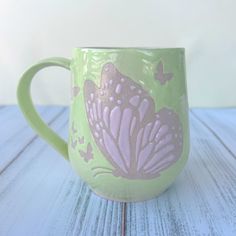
x,y
32,30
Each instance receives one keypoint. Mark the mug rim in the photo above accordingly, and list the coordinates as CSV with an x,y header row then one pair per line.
x,y
125,48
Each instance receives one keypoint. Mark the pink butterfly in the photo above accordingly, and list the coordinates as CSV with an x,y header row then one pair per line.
x,y
81,140
88,154
74,130
75,91
138,142
161,76
73,143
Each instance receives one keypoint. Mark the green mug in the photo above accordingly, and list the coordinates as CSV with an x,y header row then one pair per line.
x,y
128,127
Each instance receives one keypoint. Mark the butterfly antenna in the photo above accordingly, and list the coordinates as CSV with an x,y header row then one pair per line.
x,y
101,173
101,167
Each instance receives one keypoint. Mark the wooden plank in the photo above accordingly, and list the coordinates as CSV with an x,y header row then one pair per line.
x,y
222,123
9,126
41,195
200,202
13,130
23,160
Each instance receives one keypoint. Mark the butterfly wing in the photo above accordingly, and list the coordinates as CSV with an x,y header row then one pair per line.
x,y
122,120
114,111
75,91
168,76
82,153
73,128
88,155
73,144
81,140
159,143
160,75
89,148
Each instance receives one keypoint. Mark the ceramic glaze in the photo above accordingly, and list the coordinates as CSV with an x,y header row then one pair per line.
x,y
128,129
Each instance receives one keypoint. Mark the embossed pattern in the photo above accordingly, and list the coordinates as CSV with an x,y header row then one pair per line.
x,y
161,76
136,140
74,91
77,140
88,154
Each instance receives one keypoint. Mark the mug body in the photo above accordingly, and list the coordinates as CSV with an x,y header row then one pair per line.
x,y
128,128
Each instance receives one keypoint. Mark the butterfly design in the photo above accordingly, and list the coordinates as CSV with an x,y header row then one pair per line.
x,y
88,154
160,75
81,140
73,143
138,142
73,129
75,91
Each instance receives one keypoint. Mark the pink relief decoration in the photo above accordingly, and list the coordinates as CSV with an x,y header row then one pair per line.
x,y
161,76
88,154
137,141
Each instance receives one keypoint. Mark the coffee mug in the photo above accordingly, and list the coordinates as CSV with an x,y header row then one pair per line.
x,y
128,127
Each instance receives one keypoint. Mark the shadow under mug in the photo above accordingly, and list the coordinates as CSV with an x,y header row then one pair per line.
x,y
128,127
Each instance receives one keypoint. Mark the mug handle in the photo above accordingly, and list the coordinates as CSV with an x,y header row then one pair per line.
x,y
27,107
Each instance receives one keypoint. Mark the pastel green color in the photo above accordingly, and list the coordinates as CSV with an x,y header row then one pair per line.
x,y
139,65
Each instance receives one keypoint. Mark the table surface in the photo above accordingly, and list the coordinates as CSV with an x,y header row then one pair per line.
x,y
41,195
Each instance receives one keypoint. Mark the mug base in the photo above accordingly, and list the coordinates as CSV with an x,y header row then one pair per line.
x,y
141,199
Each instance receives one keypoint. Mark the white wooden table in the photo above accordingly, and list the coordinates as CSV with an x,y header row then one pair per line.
x,y
41,195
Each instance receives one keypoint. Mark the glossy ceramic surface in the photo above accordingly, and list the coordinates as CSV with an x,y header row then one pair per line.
x,y
128,129
100,96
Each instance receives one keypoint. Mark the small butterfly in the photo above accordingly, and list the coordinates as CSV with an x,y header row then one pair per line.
x,y
73,143
161,76
88,155
74,130
75,91
81,140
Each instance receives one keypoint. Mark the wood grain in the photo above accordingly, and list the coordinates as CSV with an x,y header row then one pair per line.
x,y
221,123
13,130
202,199
41,195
